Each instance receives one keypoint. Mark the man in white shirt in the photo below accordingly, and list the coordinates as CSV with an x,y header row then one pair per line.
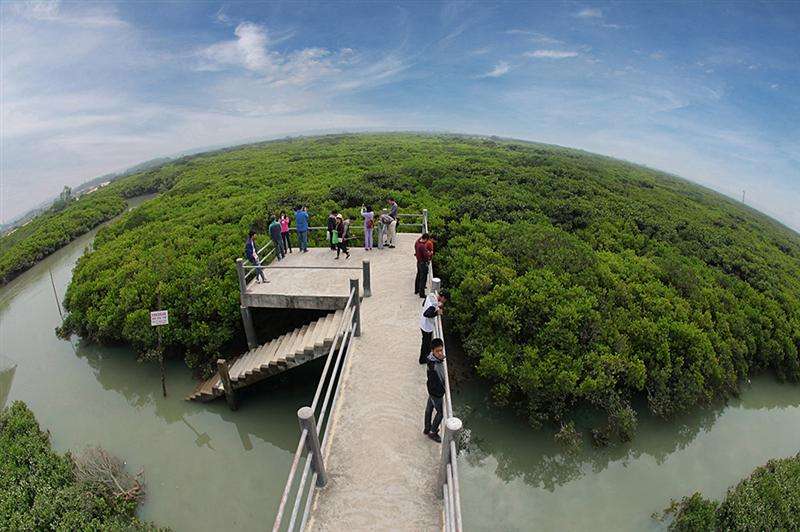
x,y
431,308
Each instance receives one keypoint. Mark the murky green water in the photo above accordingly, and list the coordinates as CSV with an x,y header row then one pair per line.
x,y
211,469
206,468
513,478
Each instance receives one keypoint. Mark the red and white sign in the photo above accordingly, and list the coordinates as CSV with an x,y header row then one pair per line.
x,y
159,317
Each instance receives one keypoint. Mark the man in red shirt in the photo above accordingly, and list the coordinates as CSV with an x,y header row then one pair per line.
x,y
423,254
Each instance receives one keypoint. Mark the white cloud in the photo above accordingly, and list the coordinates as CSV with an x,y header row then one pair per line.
x,y
344,69
535,36
657,55
500,69
87,15
589,12
551,54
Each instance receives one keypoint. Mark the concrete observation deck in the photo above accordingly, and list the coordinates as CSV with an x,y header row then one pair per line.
x,y
308,280
381,468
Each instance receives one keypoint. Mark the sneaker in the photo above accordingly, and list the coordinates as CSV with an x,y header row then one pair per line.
x,y
348,256
435,437
426,431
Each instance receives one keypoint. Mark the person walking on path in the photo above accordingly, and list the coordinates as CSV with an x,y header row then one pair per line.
x,y
252,256
436,388
369,224
395,222
423,255
285,222
340,237
301,224
331,229
275,235
431,308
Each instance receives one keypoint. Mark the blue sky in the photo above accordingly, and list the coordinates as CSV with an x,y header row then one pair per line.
x,y
709,91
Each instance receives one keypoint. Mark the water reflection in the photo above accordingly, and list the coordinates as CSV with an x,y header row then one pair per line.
x,y
533,456
116,369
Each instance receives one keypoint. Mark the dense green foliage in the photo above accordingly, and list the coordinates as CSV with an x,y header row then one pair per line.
x,y
575,278
769,499
38,488
69,218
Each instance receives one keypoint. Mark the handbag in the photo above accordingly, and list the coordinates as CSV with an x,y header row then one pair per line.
x,y
335,237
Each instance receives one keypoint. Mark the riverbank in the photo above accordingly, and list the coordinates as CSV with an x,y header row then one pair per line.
x,y
99,395
512,476
50,231
41,489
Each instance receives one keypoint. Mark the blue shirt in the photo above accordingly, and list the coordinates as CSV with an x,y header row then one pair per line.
x,y
301,220
250,250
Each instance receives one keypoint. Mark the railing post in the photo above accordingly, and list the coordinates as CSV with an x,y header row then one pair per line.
x,y
424,220
436,284
451,426
367,281
222,368
306,417
249,328
357,303
242,281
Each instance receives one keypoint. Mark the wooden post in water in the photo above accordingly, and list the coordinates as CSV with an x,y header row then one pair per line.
x,y
160,350
367,280
306,417
357,304
55,293
227,385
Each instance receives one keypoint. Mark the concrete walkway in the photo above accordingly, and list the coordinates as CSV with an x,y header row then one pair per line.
x,y
382,468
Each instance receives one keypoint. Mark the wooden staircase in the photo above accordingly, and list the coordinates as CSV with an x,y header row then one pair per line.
x,y
287,351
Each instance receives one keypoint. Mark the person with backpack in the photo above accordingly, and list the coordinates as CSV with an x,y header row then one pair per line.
x,y
436,389
384,223
431,308
275,235
285,222
252,256
301,221
340,236
369,224
332,228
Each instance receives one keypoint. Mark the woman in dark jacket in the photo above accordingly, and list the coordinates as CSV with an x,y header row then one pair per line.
x,y
341,230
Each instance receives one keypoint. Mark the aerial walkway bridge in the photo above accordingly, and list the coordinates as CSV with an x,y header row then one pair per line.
x,y
362,462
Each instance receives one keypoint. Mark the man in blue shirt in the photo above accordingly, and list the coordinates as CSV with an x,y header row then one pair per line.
x,y
301,223
252,256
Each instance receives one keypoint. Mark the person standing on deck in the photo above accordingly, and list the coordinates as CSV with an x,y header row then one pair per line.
x,y
384,224
395,221
431,308
285,222
275,235
436,389
332,228
252,256
423,255
369,224
340,236
301,223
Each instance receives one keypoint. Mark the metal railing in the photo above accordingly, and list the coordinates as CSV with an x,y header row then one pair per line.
x,y
448,480
315,421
